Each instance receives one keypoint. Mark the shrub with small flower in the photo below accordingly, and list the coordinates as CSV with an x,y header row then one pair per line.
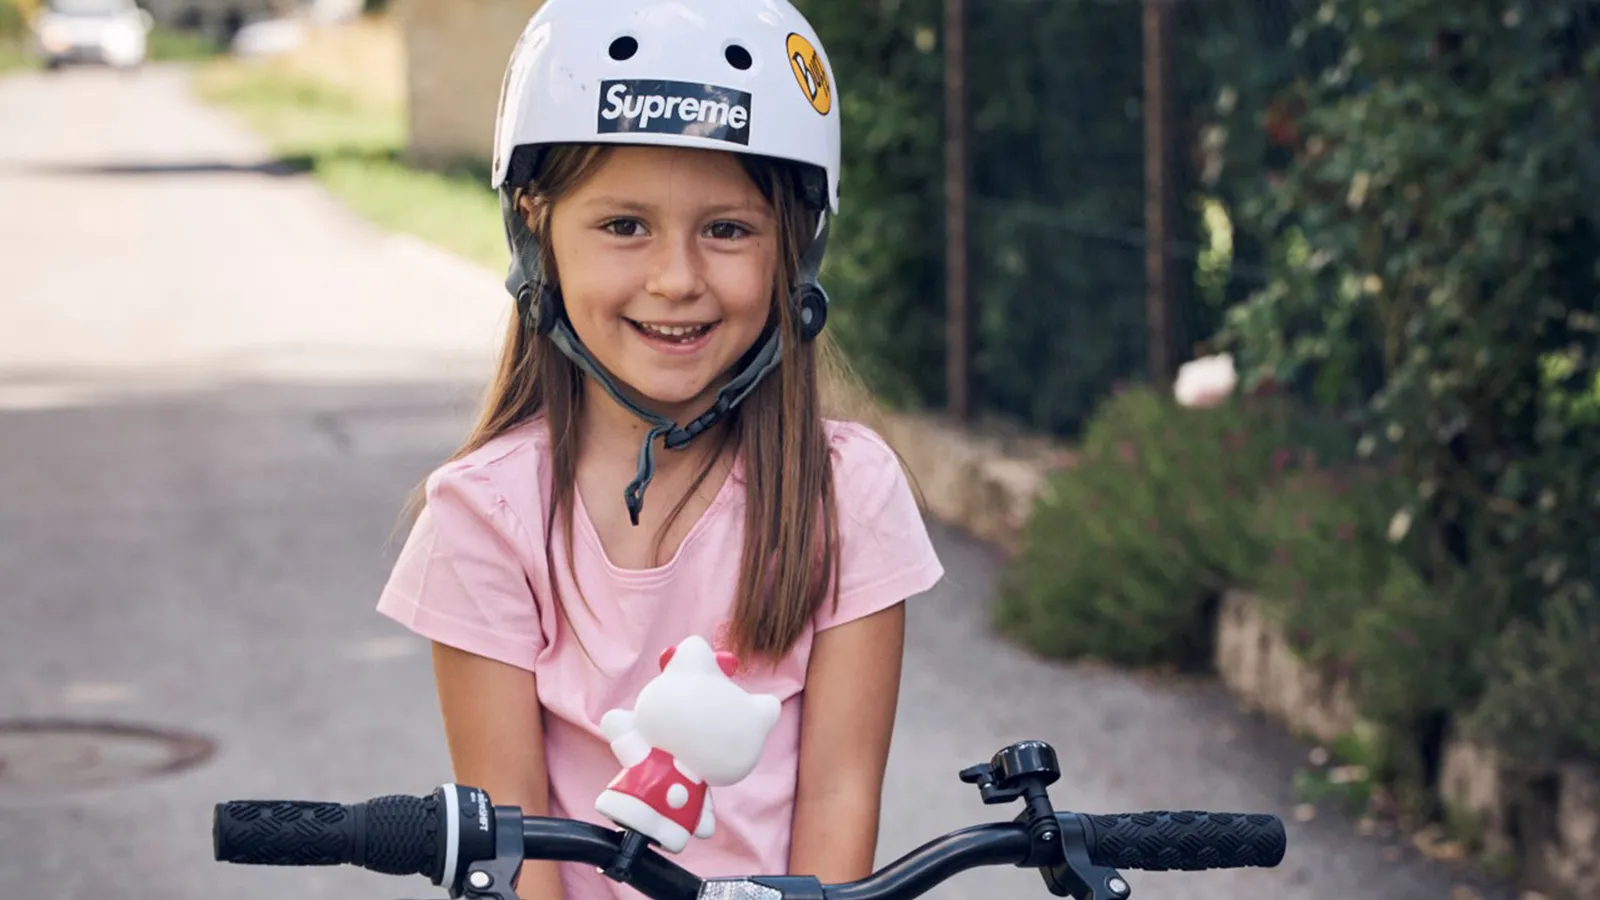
x,y
1173,499
1129,545
1435,230
1337,574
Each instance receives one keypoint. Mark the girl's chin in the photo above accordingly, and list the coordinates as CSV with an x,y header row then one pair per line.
x,y
681,407
678,401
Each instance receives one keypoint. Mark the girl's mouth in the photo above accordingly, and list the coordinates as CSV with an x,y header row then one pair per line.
x,y
674,338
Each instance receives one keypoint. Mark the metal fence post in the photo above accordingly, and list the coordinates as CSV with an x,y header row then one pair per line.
x,y
958,379
1158,202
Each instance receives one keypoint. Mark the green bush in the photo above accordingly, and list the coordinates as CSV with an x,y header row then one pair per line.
x,y
1543,702
1056,186
1129,545
12,25
1106,570
1437,227
168,45
885,258
13,36
1336,576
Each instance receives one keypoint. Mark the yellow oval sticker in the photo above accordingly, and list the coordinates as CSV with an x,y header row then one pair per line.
x,y
812,75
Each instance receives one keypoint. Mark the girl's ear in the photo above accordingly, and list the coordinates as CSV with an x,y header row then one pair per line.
x,y
525,206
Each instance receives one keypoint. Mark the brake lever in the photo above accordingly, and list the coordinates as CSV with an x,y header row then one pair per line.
x,y
496,879
1076,875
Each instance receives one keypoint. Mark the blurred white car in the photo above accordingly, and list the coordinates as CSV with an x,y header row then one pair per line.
x,y
268,37
113,32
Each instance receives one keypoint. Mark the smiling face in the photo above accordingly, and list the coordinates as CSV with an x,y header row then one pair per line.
x,y
666,259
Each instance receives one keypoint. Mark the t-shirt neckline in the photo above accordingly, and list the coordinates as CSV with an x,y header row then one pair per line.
x,y
584,524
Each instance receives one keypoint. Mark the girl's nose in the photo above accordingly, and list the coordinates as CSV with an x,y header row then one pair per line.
x,y
675,272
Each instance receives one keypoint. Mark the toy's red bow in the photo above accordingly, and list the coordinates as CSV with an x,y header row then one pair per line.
x,y
727,662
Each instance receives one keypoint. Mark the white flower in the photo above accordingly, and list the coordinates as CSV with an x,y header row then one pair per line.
x,y
1399,526
1205,382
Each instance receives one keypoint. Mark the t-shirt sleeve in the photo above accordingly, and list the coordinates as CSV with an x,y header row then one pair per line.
x,y
459,579
885,552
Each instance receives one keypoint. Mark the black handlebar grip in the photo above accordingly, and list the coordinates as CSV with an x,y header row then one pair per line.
x,y
283,833
396,835
1191,841
403,836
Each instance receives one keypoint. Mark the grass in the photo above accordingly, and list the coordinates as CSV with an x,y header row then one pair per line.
x,y
168,45
335,113
13,37
12,55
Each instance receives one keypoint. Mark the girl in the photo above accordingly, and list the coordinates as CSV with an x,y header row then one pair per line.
x,y
666,168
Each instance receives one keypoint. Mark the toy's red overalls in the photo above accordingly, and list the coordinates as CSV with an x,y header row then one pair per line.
x,y
657,782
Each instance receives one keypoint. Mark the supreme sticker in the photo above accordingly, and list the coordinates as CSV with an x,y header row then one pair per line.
x,y
674,107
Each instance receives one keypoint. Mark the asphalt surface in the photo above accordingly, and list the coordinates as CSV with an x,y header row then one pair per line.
x,y
216,387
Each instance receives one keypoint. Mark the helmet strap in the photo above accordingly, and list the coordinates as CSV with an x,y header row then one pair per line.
x,y
810,301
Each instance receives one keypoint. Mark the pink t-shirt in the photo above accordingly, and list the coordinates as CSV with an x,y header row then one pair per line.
x,y
472,575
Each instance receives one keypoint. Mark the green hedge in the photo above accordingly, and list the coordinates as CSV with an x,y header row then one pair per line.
x,y
1058,184
1430,235
1128,548
12,25
1056,222
13,36
1440,215
884,268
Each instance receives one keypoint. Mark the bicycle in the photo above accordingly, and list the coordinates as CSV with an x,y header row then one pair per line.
x,y
483,845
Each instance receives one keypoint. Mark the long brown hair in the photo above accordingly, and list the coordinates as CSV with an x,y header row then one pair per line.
x,y
790,558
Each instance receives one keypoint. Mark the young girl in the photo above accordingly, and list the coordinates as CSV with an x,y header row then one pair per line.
x,y
652,462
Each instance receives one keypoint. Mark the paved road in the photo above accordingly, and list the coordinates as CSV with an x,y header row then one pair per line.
x,y
215,387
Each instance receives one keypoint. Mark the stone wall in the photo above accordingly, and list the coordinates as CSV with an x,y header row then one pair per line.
x,y
1547,821
984,484
456,53
1257,664
1545,818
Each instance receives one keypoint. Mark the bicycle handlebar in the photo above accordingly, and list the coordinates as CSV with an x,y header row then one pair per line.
x,y
460,840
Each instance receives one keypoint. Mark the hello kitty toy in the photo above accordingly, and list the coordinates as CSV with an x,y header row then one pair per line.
x,y
691,728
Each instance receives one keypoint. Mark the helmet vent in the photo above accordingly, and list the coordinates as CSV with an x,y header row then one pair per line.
x,y
623,48
738,57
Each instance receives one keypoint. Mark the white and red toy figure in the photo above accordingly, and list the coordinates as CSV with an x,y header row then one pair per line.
x,y
690,729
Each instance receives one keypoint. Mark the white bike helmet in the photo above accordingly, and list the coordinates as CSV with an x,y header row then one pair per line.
x,y
743,76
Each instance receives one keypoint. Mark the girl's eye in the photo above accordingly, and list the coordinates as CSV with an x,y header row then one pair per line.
x,y
726,231
622,227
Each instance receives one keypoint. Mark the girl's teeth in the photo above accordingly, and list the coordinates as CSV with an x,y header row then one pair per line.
x,y
673,331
